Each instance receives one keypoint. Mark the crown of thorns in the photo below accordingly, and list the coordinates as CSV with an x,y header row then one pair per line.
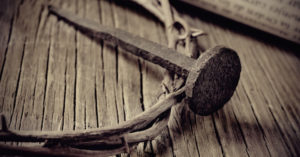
x,y
209,83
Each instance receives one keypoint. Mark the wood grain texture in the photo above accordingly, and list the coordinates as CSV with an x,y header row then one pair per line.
x,y
54,77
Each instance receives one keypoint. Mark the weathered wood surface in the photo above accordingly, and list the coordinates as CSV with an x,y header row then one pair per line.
x,y
53,77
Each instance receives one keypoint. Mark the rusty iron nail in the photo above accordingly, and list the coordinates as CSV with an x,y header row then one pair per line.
x,y
210,80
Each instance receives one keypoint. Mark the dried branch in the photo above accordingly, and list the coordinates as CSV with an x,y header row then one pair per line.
x,y
139,122
131,138
115,145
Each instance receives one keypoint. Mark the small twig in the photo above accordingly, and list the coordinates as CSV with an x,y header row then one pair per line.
x,y
151,133
131,138
125,143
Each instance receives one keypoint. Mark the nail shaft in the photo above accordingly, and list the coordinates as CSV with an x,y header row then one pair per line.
x,y
210,80
148,50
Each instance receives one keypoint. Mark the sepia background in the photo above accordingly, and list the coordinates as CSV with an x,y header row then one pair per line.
x,y
53,77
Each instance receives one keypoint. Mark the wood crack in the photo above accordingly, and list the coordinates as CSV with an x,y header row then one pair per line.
x,y
103,69
18,82
96,102
2,104
123,102
117,63
258,123
8,43
65,92
192,130
116,105
21,118
242,133
218,136
280,102
46,84
99,9
171,142
34,88
282,135
85,118
18,10
39,21
75,81
141,85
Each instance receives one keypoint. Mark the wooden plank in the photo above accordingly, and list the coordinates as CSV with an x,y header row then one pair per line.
x,y
129,75
33,78
153,75
11,87
129,70
9,81
60,98
100,93
56,78
184,143
109,110
230,130
67,39
55,87
272,69
207,141
8,9
92,12
85,93
277,146
265,114
229,136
